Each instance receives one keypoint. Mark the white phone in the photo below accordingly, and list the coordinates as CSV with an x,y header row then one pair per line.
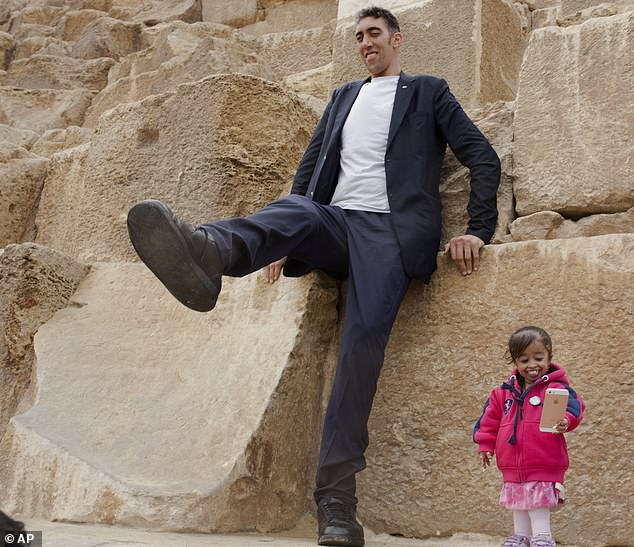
x,y
554,410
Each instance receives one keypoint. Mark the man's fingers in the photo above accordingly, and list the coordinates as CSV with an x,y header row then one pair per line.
x,y
476,258
467,259
457,255
465,252
273,271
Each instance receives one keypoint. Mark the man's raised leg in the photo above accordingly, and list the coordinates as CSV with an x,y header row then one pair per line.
x,y
190,261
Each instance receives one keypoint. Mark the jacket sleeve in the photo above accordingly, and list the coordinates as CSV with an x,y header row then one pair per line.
x,y
486,429
311,155
473,151
575,407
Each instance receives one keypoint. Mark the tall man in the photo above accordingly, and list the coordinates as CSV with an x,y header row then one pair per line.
x,y
364,205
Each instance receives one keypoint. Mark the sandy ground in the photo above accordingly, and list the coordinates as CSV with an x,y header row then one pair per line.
x,y
56,534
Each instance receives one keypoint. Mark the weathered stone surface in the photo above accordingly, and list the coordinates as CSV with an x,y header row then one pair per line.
x,y
72,26
179,53
480,63
21,178
34,283
198,148
108,37
55,72
541,4
162,11
447,351
545,17
7,9
296,51
237,13
579,162
147,412
496,123
45,15
42,109
315,82
56,140
349,8
570,7
294,15
542,225
551,225
7,47
48,45
23,138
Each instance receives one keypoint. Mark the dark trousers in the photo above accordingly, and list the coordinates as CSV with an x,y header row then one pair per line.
x,y
362,245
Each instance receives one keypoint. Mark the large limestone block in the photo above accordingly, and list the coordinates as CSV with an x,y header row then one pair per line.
x,y
294,15
35,282
236,13
46,45
570,7
161,11
42,109
21,179
551,225
57,140
578,163
496,123
55,72
224,146
45,15
476,46
72,26
447,351
150,414
314,82
23,138
296,51
108,37
178,53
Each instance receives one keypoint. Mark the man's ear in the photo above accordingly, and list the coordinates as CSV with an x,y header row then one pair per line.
x,y
397,39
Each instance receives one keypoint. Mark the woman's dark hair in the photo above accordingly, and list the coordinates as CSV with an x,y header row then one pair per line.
x,y
524,337
387,16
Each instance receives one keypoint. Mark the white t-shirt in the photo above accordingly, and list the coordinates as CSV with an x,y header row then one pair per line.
x,y
361,184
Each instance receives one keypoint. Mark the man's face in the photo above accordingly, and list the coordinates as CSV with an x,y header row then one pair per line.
x,y
378,47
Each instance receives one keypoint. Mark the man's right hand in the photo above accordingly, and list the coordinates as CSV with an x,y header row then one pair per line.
x,y
272,271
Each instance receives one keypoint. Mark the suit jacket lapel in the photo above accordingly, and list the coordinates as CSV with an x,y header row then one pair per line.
x,y
348,96
404,90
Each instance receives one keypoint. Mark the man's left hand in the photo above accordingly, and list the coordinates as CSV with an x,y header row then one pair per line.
x,y
465,252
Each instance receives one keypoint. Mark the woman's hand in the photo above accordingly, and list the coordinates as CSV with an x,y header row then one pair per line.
x,y
562,426
485,459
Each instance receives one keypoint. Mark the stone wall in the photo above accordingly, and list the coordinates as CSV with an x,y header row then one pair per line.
x,y
209,105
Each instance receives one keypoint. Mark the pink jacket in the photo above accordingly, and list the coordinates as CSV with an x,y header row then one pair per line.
x,y
509,428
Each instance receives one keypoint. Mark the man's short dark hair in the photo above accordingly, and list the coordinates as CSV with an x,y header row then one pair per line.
x,y
382,13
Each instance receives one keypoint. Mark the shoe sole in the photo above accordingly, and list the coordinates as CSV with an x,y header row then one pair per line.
x,y
163,249
340,541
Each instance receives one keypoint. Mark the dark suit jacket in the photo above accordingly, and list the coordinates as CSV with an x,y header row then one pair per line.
x,y
425,118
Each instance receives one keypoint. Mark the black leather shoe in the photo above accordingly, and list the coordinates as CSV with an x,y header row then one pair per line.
x,y
338,525
184,258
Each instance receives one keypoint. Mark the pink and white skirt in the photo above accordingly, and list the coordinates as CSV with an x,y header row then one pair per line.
x,y
525,496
